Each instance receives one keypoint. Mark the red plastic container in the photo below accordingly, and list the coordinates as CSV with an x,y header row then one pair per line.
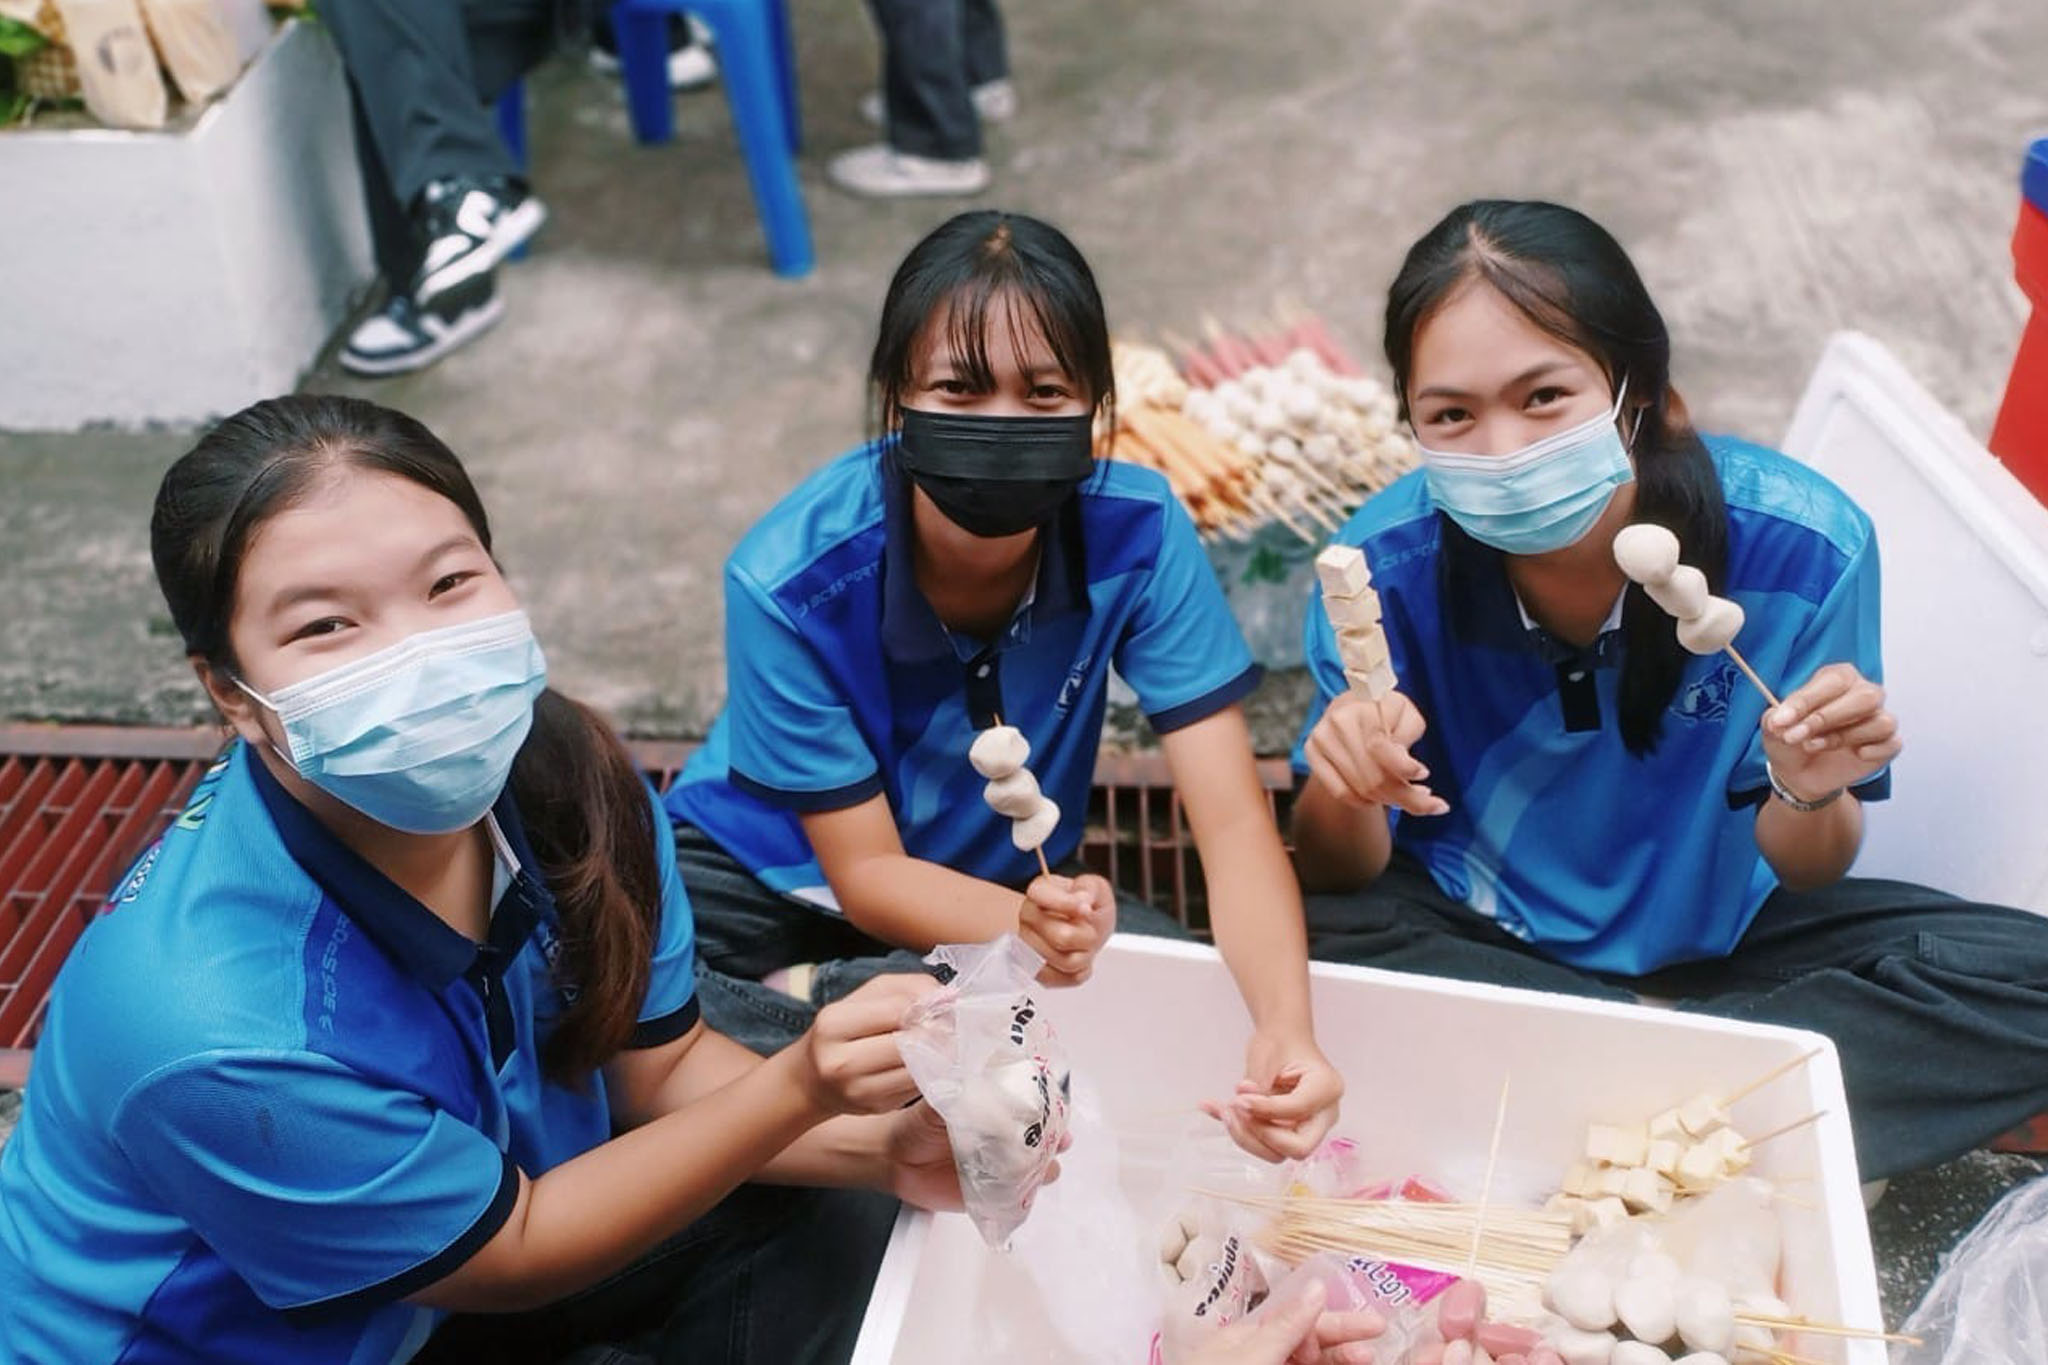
x,y
2020,436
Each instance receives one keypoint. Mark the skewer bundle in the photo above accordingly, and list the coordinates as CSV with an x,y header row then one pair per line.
x,y
1509,1250
1278,425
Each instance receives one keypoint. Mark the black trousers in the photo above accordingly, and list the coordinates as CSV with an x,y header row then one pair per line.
x,y
422,76
769,1277
933,53
1938,1006
745,931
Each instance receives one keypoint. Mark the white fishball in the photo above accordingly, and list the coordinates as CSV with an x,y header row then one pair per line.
x,y
1645,1307
1684,594
1713,629
1581,1348
1706,1318
1014,797
1582,1295
1029,833
1702,1358
1646,552
1638,1353
1302,405
999,751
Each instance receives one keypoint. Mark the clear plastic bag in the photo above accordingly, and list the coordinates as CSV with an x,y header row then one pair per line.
x,y
986,1057
1989,1305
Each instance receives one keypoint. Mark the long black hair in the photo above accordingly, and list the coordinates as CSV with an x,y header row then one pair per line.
x,y
968,263
584,804
1568,276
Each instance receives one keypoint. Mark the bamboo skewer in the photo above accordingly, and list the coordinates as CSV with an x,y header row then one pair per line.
x,y
1827,1329
1750,673
1044,868
1815,1117
1500,1119
1773,1074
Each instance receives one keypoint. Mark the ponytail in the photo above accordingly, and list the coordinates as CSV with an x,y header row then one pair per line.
x,y
591,823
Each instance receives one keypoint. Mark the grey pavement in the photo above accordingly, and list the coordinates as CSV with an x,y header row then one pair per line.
x,y
1780,171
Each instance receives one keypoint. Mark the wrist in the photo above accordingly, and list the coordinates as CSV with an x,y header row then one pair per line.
x,y
802,1082
1798,801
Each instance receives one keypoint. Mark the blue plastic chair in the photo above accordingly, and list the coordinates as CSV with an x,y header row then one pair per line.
x,y
756,65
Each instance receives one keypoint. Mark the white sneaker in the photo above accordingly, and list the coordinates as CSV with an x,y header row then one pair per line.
x,y
691,66
994,102
405,336
882,172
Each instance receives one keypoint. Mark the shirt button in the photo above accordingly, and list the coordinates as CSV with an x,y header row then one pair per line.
x,y
1579,676
981,672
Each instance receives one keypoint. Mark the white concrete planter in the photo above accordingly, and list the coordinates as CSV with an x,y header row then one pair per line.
x,y
177,276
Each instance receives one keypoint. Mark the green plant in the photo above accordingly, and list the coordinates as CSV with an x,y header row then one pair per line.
x,y
19,40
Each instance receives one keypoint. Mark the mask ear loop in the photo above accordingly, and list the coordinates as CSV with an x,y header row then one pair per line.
x,y
271,707
1635,428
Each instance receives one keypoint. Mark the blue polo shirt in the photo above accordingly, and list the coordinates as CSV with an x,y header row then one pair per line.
x,y
842,683
276,1095
1606,861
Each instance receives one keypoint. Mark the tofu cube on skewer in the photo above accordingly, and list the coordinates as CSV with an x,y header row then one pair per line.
x,y
1615,1145
1343,571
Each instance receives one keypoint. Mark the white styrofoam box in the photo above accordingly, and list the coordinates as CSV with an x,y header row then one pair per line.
x,y
1159,1029
177,276
1964,548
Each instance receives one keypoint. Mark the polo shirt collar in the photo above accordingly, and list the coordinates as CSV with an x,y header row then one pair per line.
x,y
911,629
1484,608
409,933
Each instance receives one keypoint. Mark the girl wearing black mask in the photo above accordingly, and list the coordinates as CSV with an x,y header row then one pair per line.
x,y
977,562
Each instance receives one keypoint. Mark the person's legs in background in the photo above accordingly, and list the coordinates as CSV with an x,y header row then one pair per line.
x,y
934,133
446,201
988,70
1404,922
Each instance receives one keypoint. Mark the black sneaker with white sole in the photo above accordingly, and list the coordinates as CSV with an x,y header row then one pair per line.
x,y
407,336
469,226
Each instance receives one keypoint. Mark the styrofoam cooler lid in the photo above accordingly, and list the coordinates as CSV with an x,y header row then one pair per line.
x,y
1964,548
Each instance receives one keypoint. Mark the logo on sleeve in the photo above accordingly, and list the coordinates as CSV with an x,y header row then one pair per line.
x,y
1704,700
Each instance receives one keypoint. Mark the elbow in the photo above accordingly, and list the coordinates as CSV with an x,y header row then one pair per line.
x,y
1325,870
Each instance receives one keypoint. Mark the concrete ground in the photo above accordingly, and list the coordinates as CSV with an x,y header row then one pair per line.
x,y
1779,172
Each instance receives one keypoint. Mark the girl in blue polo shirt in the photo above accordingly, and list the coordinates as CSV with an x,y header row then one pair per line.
x,y
1560,796
398,1020
978,562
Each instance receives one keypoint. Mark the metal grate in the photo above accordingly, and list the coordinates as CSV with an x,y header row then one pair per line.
x,y
79,804
76,806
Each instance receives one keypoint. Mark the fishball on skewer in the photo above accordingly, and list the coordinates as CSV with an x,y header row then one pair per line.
x,y
1646,552
1714,629
1029,833
1015,797
999,751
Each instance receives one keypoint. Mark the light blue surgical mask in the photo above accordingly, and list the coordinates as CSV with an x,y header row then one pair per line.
x,y
1540,498
420,736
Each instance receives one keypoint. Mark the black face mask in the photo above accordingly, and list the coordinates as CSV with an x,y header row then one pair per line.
x,y
997,476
